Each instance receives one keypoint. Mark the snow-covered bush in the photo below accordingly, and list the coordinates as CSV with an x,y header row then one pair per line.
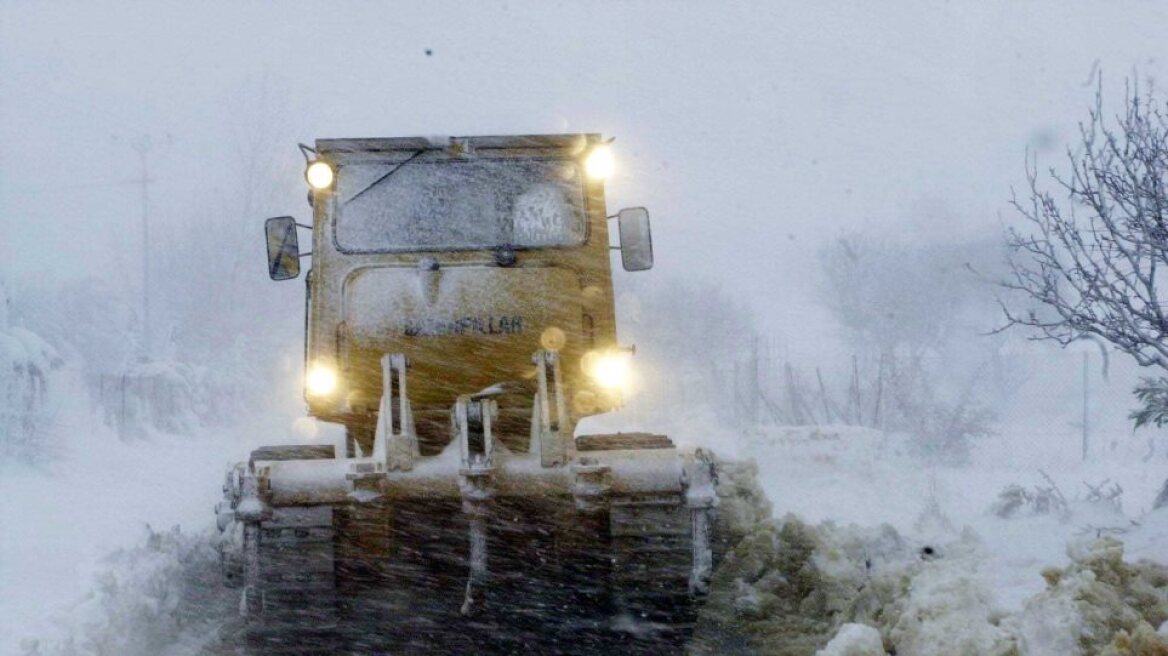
x,y
1152,393
151,396
27,363
941,431
197,375
1015,500
914,314
89,319
1106,494
176,394
1097,512
145,601
208,365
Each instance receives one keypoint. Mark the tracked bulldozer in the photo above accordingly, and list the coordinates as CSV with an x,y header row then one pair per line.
x,y
460,323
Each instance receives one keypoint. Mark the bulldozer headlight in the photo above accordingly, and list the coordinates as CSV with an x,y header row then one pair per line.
x,y
319,175
321,380
610,370
599,164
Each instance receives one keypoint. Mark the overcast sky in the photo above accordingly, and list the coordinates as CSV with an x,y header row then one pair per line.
x,y
754,132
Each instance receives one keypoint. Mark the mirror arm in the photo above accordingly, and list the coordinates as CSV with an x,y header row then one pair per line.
x,y
306,227
305,254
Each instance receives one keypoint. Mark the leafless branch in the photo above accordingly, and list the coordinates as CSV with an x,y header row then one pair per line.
x,y
1093,256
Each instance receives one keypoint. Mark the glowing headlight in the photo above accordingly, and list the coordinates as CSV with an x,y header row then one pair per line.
x,y
319,175
321,380
599,164
609,370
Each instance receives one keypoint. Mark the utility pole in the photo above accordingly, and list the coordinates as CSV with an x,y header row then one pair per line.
x,y
755,388
142,147
1086,424
1086,406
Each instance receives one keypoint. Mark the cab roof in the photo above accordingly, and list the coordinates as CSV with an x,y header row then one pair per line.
x,y
571,142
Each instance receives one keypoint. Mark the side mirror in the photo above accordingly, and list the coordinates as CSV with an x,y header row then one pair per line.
x,y
283,248
636,242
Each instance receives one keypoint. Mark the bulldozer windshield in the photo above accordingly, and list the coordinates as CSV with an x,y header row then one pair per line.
x,y
459,204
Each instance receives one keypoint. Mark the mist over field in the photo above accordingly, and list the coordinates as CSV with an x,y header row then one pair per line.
x,y
830,189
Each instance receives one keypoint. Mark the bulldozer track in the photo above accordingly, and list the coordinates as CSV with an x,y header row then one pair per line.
x,y
370,579
298,582
653,551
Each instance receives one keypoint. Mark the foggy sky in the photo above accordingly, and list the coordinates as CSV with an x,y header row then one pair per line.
x,y
753,131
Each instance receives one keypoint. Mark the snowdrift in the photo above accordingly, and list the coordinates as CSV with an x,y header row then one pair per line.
x,y
790,588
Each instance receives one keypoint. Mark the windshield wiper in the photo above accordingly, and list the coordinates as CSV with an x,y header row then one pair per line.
x,y
386,176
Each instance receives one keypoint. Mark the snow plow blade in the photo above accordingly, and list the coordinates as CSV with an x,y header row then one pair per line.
x,y
612,551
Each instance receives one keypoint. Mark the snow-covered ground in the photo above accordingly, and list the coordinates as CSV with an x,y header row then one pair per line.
x,y
977,582
848,475
61,521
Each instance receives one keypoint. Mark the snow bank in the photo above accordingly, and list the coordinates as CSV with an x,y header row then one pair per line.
x,y
792,588
742,503
948,609
788,587
1099,604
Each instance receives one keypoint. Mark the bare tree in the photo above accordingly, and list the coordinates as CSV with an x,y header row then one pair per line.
x,y
1096,251
909,311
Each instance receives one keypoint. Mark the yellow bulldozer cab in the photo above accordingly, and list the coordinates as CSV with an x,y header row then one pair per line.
x,y
466,255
